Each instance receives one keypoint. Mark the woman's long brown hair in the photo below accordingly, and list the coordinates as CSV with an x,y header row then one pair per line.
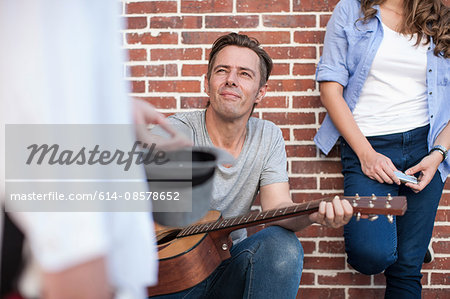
x,y
427,18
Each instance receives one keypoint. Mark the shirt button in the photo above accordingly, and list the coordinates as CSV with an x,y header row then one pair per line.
x,y
431,116
430,70
429,48
430,92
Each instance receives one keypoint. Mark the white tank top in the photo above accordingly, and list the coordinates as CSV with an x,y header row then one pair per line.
x,y
393,98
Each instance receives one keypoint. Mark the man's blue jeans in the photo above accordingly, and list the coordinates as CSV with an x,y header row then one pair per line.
x,y
267,264
397,248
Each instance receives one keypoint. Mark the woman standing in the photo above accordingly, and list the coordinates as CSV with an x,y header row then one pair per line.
x,y
384,79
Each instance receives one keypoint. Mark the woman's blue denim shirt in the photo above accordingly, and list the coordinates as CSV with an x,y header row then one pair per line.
x,y
348,53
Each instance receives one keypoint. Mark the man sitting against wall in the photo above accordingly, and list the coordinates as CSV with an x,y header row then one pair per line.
x,y
269,263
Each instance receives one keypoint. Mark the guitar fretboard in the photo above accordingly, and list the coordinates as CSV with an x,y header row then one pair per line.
x,y
387,205
250,218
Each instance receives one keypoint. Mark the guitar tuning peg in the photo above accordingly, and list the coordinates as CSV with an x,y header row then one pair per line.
x,y
373,217
357,196
373,197
358,216
390,218
389,197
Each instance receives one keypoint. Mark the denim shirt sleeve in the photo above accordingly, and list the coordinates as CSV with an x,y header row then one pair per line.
x,y
333,65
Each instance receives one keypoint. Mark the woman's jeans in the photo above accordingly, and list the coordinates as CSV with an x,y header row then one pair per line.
x,y
267,264
398,248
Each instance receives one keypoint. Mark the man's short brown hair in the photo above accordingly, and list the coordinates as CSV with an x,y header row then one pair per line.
x,y
241,40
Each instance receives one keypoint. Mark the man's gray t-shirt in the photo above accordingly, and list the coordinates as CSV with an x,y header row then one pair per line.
x,y
261,162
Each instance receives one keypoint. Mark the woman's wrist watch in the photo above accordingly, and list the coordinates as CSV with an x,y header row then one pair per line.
x,y
441,149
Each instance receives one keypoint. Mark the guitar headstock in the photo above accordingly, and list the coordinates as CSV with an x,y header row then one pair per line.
x,y
377,205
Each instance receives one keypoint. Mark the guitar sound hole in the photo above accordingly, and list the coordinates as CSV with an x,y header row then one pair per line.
x,y
169,236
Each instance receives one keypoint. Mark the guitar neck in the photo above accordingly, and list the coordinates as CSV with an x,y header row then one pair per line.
x,y
365,205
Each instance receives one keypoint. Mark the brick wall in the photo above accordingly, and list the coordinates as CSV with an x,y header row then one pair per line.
x,y
168,43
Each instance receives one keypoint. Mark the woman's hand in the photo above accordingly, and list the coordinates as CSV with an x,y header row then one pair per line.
x,y
427,168
378,167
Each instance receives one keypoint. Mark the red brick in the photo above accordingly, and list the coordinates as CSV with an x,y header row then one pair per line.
x,y
289,21
176,54
291,52
305,197
331,183
173,86
306,101
161,102
205,6
447,185
151,7
149,39
303,183
289,118
440,278
300,151
441,247
291,85
194,69
262,6
136,22
443,216
304,134
309,37
365,293
304,69
324,20
194,102
308,247
439,263
318,231
445,199
321,117
286,133
200,37
274,102
322,293
270,37
316,167
307,278
315,5
280,69
162,70
435,293
326,263
441,231
331,247
137,86
185,22
344,279
250,21
137,54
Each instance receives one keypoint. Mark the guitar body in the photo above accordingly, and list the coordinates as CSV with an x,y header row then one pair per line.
x,y
185,262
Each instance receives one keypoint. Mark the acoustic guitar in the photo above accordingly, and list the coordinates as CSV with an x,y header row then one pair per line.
x,y
189,255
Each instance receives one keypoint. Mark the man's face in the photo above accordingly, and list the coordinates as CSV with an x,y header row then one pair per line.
x,y
233,87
